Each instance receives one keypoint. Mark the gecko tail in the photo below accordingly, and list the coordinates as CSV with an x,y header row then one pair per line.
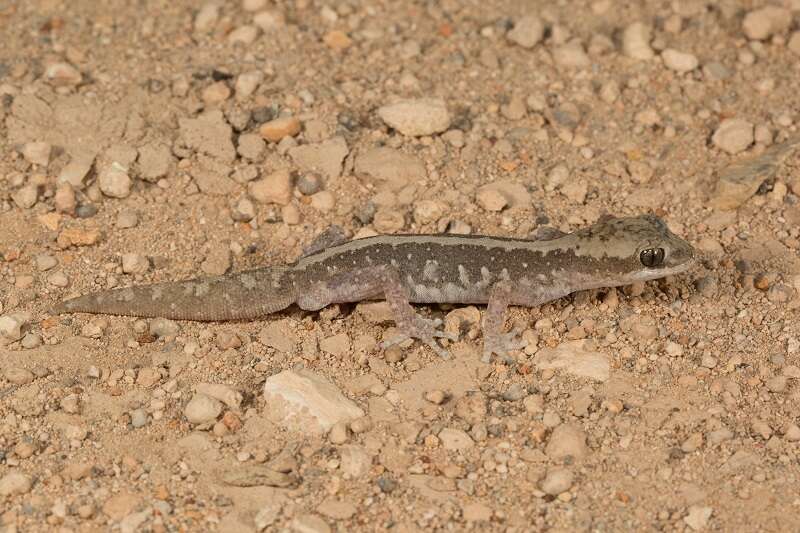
x,y
240,296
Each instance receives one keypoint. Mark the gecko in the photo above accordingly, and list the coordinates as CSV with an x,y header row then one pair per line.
x,y
422,269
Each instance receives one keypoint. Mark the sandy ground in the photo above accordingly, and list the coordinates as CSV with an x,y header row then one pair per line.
x,y
154,140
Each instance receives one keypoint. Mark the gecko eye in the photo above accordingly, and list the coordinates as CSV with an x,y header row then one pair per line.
x,y
652,257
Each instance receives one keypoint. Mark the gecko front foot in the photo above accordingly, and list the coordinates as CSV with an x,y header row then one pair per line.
x,y
501,343
425,330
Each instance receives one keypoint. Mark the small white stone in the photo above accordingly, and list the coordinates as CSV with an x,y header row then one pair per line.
x,y
37,153
698,516
636,41
679,61
417,117
762,23
62,75
571,55
135,263
202,409
733,135
557,481
13,324
527,31
15,483
114,181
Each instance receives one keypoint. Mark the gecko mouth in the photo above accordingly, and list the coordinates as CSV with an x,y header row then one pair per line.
x,y
655,273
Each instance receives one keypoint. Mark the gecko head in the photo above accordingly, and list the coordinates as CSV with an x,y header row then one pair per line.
x,y
636,248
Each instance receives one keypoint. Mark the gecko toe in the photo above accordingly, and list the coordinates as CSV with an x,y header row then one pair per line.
x,y
501,344
425,330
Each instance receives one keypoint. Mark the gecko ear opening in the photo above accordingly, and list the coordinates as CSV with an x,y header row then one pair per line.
x,y
652,257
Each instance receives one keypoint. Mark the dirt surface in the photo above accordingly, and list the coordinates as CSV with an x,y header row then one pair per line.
x,y
154,140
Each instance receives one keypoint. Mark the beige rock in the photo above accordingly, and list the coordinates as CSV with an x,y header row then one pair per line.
x,y
417,117
276,188
277,129
307,402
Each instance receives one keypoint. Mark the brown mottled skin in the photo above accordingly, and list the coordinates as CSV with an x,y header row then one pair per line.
x,y
421,269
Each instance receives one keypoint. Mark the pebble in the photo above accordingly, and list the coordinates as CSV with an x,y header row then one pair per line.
x,y
337,510
515,392
202,409
571,55
567,440
269,20
154,161
58,279
275,130
243,211
45,262
636,41
527,32
325,157
761,428
323,201
62,75
207,17
37,152
75,172
135,263
251,146
338,433
31,341
557,480
114,181
436,397
309,523
245,35
308,402
18,375
673,349
65,200
217,262
216,93
455,138
762,23
733,135
275,188
221,392
337,40
26,197
127,219
138,418
455,439
476,512
390,168
777,384
698,517
247,83
708,361
209,134
416,117
491,200
12,325
693,443
792,433
355,461
15,483
309,183
680,62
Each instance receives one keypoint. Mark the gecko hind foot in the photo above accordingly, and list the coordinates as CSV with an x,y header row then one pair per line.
x,y
425,330
501,343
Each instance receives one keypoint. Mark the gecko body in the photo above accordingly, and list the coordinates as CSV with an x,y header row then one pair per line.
x,y
405,269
